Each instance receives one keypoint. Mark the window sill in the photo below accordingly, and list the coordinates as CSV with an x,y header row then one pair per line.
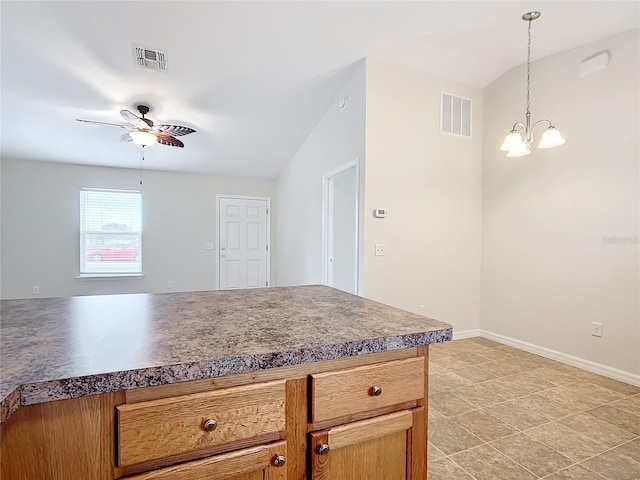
x,y
106,276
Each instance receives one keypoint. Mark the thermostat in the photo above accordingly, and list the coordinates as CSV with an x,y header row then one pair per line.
x,y
380,212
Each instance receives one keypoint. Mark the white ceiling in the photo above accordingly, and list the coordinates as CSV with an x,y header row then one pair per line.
x,y
253,78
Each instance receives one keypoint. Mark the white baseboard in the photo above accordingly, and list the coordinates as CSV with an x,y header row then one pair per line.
x,y
466,334
594,367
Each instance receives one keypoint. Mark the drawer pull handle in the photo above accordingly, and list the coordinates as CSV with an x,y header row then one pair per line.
x,y
279,460
375,391
210,425
323,449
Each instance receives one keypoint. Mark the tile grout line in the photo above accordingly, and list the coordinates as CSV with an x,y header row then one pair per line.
x,y
520,431
576,380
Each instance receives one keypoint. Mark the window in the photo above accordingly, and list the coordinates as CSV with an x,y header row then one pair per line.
x,y
110,232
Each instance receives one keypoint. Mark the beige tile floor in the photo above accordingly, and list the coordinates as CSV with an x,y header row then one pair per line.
x,y
499,413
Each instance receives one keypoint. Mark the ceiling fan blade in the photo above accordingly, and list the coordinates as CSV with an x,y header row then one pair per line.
x,y
143,123
174,130
102,123
168,140
126,138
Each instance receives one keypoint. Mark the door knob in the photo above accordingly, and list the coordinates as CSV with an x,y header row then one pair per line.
x,y
223,248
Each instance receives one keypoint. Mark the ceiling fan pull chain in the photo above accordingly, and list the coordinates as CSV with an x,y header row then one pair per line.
x,y
141,160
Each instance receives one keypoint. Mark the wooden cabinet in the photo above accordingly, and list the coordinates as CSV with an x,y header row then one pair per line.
x,y
367,388
368,413
171,426
388,447
265,462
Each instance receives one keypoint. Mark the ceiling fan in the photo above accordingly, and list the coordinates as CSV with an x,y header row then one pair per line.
x,y
143,131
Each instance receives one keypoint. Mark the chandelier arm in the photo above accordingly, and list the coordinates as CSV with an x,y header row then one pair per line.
x,y
549,124
520,126
535,125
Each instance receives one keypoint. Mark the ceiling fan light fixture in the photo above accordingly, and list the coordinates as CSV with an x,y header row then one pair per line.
x,y
143,139
142,131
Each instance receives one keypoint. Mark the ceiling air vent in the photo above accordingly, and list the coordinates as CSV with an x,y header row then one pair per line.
x,y
455,115
151,58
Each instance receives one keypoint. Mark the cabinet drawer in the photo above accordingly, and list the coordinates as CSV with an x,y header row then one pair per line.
x,y
259,461
361,389
171,426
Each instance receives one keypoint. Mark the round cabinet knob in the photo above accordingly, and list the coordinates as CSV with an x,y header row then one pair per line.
x,y
279,460
210,425
375,391
322,449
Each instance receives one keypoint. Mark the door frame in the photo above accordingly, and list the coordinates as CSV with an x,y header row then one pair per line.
x,y
327,229
217,240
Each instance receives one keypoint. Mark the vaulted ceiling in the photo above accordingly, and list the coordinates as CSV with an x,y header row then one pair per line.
x,y
253,78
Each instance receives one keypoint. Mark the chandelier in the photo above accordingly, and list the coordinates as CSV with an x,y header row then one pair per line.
x,y
518,142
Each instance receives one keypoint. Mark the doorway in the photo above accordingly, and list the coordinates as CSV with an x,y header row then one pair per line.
x,y
341,228
243,259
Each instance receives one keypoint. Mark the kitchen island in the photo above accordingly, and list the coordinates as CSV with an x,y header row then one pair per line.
x,y
287,383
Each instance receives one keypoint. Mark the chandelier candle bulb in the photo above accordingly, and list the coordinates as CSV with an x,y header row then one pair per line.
x,y
518,141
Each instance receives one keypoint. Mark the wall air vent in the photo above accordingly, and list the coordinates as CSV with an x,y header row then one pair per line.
x,y
151,58
455,115
594,63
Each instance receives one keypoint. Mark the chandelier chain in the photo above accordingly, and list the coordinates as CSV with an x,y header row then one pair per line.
x,y
529,68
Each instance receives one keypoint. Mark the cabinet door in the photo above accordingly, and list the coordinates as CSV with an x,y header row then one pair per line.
x,y
265,462
389,447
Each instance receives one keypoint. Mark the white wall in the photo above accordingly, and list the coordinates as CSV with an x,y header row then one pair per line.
x,y
431,184
550,264
336,140
40,222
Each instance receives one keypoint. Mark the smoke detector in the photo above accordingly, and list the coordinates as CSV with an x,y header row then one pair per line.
x,y
150,58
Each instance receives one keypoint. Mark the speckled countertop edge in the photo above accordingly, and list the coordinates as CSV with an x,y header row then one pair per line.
x,y
61,348
41,392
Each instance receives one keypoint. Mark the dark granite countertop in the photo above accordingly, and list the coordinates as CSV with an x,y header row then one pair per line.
x,y
57,348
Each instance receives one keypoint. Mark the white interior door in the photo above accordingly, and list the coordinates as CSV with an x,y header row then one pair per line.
x,y
243,242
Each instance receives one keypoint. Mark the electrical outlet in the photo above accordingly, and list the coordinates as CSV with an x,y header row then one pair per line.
x,y
421,310
380,250
208,246
596,329
170,284
36,290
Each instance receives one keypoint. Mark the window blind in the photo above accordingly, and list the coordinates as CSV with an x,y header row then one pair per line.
x,y
110,232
